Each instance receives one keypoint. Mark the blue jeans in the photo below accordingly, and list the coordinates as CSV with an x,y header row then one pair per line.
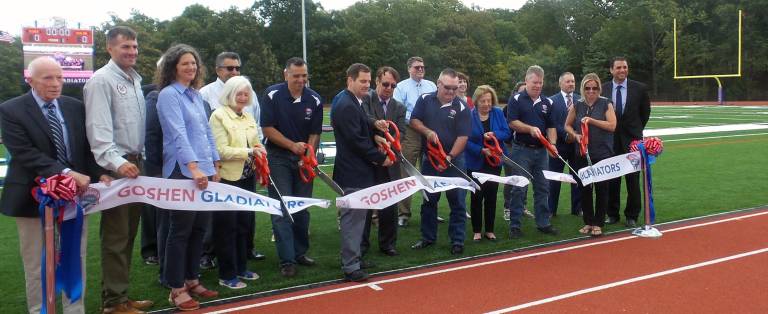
x,y
458,218
291,239
534,160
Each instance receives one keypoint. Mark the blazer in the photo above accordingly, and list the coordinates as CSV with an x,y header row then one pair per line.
x,y
559,113
235,138
356,153
473,154
395,113
637,111
27,136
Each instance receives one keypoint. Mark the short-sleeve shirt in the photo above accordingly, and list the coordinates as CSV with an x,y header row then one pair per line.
x,y
536,113
449,121
295,118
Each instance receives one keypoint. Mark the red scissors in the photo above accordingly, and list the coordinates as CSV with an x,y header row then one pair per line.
x,y
436,155
394,142
308,164
262,168
584,138
492,144
552,150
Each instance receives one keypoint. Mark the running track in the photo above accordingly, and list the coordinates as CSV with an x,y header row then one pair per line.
x,y
713,265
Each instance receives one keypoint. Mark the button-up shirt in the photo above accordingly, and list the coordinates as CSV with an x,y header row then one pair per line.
x,y
212,93
408,92
623,94
187,137
115,115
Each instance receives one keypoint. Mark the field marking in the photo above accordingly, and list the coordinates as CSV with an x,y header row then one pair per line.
x,y
706,129
628,281
473,265
712,137
375,287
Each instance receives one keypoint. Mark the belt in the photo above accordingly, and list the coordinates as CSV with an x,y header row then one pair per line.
x,y
132,157
528,145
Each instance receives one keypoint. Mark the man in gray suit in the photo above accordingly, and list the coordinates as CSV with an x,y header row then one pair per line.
x,y
383,107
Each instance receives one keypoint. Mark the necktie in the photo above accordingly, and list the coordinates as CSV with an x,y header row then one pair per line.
x,y
384,106
570,100
619,104
57,132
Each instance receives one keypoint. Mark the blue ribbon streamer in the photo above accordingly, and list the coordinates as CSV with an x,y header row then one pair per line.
x,y
69,277
648,160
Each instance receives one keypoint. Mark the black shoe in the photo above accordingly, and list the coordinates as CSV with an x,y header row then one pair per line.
x,y
631,223
288,270
421,244
457,249
611,220
207,262
151,260
515,233
256,255
356,276
549,230
304,260
390,252
366,264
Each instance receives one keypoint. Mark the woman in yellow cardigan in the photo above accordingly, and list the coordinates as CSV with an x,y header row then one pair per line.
x,y
237,140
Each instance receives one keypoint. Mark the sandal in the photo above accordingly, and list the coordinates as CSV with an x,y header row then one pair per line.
x,y
182,301
490,236
199,291
585,230
596,231
476,237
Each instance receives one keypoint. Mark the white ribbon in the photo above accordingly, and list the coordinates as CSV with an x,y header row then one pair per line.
x,y
610,168
184,195
558,176
510,180
387,194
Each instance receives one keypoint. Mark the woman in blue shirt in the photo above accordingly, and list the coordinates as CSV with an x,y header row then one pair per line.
x,y
189,152
487,119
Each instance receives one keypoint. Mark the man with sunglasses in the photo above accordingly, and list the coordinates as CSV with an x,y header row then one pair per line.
x,y
441,115
408,91
227,66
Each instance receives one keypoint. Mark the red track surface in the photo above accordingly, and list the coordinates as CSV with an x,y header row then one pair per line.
x,y
600,275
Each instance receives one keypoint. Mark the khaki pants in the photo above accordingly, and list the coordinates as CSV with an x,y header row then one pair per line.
x,y
412,152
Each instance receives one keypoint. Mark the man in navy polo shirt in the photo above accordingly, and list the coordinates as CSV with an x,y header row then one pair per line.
x,y
292,115
441,115
529,115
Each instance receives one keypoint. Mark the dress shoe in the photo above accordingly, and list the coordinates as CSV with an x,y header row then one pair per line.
x,y
356,276
151,260
288,270
390,252
304,260
548,230
366,264
141,304
611,220
421,244
457,249
515,233
256,255
122,308
402,222
631,223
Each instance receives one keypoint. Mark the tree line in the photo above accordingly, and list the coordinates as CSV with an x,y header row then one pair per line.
x,y
493,46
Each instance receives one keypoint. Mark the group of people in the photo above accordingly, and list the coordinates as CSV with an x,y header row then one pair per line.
x,y
218,132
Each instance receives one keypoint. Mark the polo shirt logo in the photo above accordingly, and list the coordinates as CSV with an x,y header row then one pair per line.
x,y
122,89
452,113
308,114
544,108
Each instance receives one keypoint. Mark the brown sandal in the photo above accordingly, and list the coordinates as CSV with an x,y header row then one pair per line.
x,y
199,291
585,229
183,301
596,231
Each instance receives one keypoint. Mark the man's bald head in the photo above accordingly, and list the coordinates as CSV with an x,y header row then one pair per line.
x,y
46,78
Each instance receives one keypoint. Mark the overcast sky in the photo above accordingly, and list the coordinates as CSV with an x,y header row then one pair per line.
x,y
93,13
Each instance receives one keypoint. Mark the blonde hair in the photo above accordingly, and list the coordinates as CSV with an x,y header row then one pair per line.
x,y
591,77
231,87
482,90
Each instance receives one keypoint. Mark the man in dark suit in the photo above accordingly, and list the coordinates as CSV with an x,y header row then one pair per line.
x,y
561,102
633,108
383,107
357,158
45,133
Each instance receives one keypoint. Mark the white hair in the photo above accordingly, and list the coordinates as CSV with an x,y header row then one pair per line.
x,y
231,87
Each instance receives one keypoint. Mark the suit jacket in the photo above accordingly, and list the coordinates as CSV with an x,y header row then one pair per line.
x,y
356,153
28,138
637,111
395,113
559,113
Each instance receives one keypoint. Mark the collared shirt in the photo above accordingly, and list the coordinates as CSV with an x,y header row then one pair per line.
x,y
41,103
115,115
623,94
449,120
187,137
565,97
235,135
294,118
408,92
212,93
536,113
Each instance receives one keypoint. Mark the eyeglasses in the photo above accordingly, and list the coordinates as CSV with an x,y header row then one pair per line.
x,y
419,67
388,85
450,88
592,88
230,68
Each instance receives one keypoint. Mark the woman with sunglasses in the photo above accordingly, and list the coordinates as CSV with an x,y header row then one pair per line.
x,y
598,114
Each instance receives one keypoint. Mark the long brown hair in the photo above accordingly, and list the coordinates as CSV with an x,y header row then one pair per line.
x,y
166,72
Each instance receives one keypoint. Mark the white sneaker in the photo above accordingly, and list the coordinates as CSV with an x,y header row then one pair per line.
x,y
506,214
528,212
469,216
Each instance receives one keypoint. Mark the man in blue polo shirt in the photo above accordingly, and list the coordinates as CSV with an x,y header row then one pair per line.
x,y
529,115
441,115
292,115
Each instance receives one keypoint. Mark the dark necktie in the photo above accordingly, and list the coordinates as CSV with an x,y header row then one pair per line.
x,y
384,106
619,104
57,132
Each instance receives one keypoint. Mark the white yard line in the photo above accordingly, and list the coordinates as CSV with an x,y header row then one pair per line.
x,y
706,129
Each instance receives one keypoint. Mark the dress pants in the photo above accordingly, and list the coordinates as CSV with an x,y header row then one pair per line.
x,y
411,143
632,206
231,231
387,229
352,225
484,201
